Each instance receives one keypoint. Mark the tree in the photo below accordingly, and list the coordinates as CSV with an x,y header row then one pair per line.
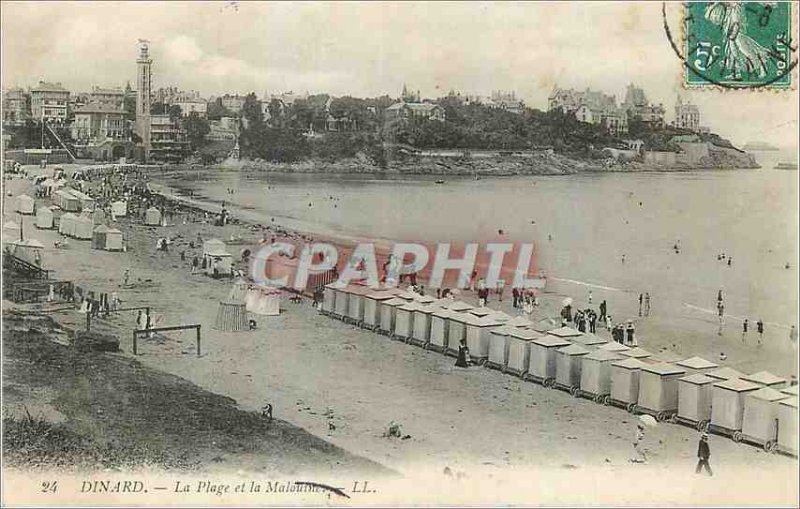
x,y
129,105
216,110
196,128
251,110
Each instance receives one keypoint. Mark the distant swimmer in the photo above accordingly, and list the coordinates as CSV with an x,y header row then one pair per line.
x,y
640,204
787,266
730,261
550,238
500,231
309,204
623,258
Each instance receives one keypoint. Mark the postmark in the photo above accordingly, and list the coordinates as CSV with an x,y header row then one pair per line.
x,y
735,45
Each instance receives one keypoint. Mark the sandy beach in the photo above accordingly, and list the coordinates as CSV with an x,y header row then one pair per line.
x,y
493,427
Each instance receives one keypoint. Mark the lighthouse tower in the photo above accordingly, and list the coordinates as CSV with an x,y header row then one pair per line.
x,y
143,86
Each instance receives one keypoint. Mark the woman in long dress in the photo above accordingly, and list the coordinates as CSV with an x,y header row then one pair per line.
x,y
463,360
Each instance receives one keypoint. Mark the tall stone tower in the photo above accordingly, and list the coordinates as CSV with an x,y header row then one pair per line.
x,y
143,86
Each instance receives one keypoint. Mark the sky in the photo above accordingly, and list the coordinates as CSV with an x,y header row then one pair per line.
x,y
371,49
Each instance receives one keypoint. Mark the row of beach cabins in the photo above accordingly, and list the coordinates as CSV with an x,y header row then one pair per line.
x,y
759,408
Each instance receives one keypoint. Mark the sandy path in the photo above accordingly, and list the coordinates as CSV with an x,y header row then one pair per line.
x,y
478,421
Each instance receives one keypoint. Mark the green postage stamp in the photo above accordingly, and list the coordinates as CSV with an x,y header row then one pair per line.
x,y
738,44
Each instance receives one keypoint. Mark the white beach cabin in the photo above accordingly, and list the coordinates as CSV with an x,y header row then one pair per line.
x,y
542,363
658,389
625,376
440,329
44,218
596,374
694,399
388,310
696,364
727,404
25,204
519,350
569,360
760,418
498,347
152,217
766,379
477,333
787,426
114,240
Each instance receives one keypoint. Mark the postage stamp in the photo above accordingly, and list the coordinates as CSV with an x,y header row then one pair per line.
x,y
738,44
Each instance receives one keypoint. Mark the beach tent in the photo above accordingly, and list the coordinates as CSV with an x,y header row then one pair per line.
x,y
477,331
232,316
546,325
388,312
519,321
518,348
568,367
328,298
114,240
44,218
625,375
760,418
565,333
613,346
589,339
25,204
636,353
83,228
372,300
66,224
766,379
694,399
791,390
263,300
542,358
404,320
596,374
11,232
498,347
152,217
119,209
440,329
727,403
658,389
697,365
724,373
99,237
214,250
355,303
29,250
480,312
787,426
458,331
421,333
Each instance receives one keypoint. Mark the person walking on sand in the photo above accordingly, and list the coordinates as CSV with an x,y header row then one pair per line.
x,y
647,304
703,455
631,330
640,304
638,448
745,326
463,360
760,329
603,309
195,264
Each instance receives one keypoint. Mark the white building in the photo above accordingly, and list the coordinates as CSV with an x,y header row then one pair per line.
x,y
687,115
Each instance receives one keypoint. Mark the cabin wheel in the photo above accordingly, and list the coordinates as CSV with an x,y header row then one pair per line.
x,y
770,446
661,416
632,408
598,399
700,426
574,391
673,419
606,400
737,436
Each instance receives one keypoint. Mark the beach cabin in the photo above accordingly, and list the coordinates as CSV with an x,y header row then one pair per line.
x,y
216,256
588,339
29,250
328,298
82,229
696,365
636,353
546,325
519,321
11,232
341,303
44,218
613,346
694,400
263,300
565,333
457,325
388,310
99,237
119,209
372,300
760,418
518,350
67,201
114,240
542,359
421,333
480,312
152,217
658,389
791,390
568,367
596,375
404,321
498,347
25,204
766,379
477,332
625,375
440,329
787,426
727,405
459,306
66,224
355,303
724,373
86,201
